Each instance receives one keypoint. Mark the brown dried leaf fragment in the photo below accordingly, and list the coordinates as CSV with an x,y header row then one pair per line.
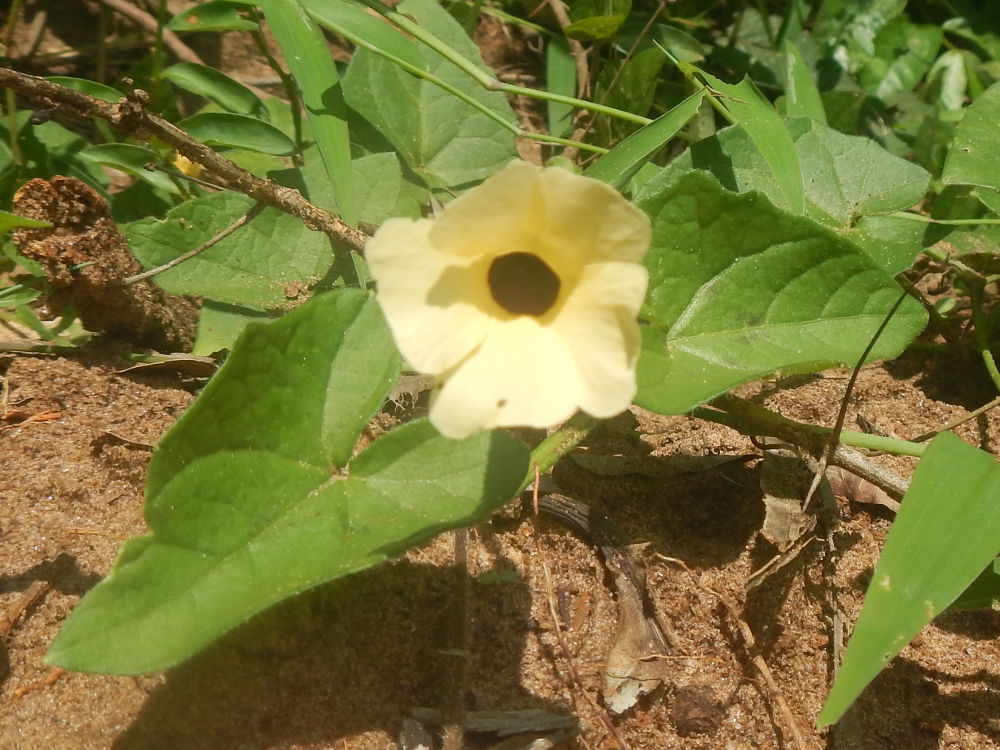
x,y
83,232
784,480
852,487
636,664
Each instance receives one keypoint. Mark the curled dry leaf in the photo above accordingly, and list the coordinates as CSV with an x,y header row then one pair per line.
x,y
635,663
852,487
784,480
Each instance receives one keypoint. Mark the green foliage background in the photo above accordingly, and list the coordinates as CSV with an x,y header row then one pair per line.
x,y
794,158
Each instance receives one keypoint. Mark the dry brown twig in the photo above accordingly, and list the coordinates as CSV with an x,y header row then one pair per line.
x,y
130,115
20,606
144,20
577,681
453,731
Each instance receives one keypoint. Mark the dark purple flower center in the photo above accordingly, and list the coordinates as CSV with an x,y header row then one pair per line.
x,y
523,284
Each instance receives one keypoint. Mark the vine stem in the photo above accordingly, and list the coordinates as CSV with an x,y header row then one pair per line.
x,y
131,116
486,80
548,452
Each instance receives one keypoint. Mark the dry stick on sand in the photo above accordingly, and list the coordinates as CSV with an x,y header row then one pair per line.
x,y
453,734
129,115
9,618
750,647
557,628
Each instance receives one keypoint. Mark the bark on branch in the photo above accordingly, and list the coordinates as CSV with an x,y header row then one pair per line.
x,y
129,115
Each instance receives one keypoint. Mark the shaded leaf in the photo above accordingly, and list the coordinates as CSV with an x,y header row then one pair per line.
x,y
90,88
10,221
231,95
560,78
982,593
440,137
218,15
219,325
739,289
131,160
768,132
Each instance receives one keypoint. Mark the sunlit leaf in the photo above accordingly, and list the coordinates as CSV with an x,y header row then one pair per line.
x,y
231,95
739,289
848,180
619,165
311,64
946,532
254,496
261,265
974,158
441,138
802,98
238,131
365,30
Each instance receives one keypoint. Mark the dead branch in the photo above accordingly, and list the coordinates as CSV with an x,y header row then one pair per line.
x,y
144,20
129,115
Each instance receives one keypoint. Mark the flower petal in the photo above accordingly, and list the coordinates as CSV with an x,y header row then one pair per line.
x,y
589,218
598,323
523,374
433,302
494,218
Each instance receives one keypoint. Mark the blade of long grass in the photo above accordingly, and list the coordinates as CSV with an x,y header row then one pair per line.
x,y
334,15
560,76
314,71
486,80
619,165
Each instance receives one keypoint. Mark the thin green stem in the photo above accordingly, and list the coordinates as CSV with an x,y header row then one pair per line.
x,y
751,419
949,222
688,71
510,88
548,452
983,334
896,446
486,80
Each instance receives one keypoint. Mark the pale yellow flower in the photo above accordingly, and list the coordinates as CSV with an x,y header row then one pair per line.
x,y
521,298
